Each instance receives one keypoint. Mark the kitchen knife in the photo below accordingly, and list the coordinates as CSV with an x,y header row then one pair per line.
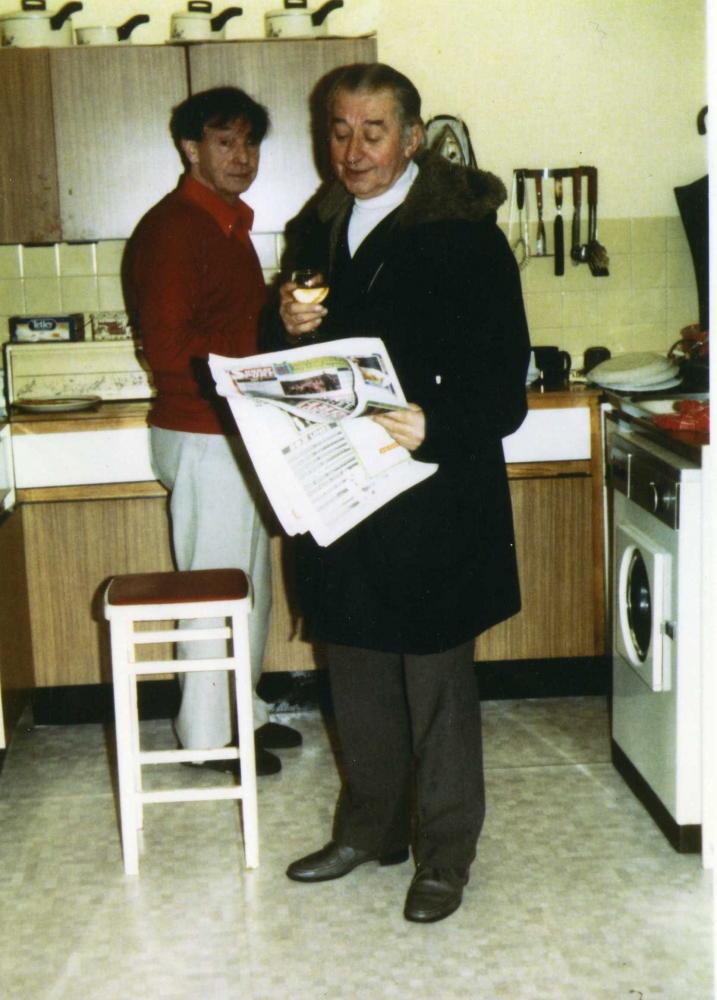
x,y
558,228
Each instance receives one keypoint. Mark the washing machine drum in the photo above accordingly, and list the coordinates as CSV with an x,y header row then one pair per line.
x,y
642,605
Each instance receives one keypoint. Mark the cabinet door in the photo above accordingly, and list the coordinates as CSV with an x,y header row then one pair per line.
x,y
114,151
29,206
554,545
281,75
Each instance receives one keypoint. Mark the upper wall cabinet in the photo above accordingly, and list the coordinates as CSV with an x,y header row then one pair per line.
x,y
29,205
115,156
281,75
85,148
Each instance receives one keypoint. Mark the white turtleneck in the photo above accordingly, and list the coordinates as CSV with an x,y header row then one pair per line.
x,y
368,212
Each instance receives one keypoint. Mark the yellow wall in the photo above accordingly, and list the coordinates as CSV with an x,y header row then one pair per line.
x,y
540,83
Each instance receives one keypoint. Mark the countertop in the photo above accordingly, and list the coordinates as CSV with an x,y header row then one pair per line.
x,y
123,413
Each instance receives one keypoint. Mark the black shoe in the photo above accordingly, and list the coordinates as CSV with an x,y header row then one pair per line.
x,y
336,860
266,763
434,893
275,736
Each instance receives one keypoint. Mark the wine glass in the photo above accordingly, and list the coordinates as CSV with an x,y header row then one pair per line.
x,y
311,286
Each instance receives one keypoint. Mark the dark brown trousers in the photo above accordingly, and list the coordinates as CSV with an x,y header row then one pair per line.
x,y
406,723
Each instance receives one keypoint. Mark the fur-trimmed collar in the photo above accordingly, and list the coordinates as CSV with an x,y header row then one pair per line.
x,y
442,190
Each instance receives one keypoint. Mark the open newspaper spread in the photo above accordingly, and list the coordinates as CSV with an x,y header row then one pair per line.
x,y
304,416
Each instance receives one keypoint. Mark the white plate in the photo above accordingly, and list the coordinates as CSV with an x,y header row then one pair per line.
x,y
62,404
669,383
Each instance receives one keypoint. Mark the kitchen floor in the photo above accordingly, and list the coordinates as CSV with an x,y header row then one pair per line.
x,y
575,893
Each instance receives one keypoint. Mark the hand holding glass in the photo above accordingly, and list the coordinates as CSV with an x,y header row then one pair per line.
x,y
311,287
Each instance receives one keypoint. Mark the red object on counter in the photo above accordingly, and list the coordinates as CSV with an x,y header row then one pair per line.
x,y
689,415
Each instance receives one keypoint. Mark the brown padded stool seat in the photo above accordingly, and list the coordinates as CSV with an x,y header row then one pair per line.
x,y
182,587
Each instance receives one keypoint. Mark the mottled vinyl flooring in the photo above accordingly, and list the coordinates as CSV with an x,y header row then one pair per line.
x,y
575,893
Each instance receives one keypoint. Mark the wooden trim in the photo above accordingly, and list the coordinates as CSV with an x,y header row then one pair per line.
x,y
548,470
91,491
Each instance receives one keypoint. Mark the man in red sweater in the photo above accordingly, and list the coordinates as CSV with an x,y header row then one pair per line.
x,y
197,288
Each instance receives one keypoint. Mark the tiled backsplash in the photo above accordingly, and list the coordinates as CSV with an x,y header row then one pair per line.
x,y
649,295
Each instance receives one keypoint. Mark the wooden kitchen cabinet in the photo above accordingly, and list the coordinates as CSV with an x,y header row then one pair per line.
x,y
72,547
16,661
115,156
29,201
85,147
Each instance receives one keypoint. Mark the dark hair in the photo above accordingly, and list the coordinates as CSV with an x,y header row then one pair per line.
x,y
371,77
217,108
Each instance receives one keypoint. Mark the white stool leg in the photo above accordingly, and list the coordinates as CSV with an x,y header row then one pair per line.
x,y
123,732
134,737
245,729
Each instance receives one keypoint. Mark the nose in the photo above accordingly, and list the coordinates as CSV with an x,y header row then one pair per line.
x,y
241,152
354,151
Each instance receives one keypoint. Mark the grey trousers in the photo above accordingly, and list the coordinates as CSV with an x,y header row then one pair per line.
x,y
405,720
216,522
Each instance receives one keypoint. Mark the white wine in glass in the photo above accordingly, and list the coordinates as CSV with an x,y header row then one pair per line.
x,y
311,286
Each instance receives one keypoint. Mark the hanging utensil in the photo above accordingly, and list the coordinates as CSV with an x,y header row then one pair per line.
x,y
541,242
520,247
558,239
578,252
597,256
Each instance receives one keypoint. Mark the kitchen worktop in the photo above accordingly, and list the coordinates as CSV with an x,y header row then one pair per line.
x,y
117,414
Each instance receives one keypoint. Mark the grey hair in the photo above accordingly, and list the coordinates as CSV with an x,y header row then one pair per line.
x,y
372,77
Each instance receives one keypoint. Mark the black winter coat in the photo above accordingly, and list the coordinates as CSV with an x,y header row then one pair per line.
x,y
436,280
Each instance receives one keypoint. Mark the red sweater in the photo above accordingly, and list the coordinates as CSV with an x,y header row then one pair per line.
x,y
197,288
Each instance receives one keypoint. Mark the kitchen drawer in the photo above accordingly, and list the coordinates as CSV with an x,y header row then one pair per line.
x,y
551,435
82,457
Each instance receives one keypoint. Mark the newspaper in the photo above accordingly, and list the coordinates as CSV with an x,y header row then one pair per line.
x,y
304,415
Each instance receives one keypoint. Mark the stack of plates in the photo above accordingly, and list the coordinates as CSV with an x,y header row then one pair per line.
x,y
639,372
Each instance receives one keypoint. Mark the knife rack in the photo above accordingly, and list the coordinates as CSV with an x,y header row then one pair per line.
x,y
567,195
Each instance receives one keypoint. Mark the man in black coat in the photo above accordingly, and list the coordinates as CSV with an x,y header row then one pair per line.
x,y
413,254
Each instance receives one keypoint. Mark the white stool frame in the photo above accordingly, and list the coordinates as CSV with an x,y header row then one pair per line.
x,y
126,669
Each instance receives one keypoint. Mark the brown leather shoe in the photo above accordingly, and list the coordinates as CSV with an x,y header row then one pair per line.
x,y
434,893
337,860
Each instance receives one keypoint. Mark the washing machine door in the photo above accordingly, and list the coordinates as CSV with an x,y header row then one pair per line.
x,y
642,592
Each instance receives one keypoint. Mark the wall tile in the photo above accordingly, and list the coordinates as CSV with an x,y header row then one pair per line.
x,y
39,262
543,309
682,309
650,306
42,295
615,235
649,270
680,271
12,299
615,307
80,293
110,293
109,256
77,259
580,309
649,235
10,262
676,235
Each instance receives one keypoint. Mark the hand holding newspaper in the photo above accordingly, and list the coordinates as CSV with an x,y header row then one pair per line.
x,y
304,415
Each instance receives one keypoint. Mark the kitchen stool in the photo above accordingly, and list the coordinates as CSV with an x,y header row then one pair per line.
x,y
160,597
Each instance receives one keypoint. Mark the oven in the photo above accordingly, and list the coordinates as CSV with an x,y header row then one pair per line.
x,y
654,507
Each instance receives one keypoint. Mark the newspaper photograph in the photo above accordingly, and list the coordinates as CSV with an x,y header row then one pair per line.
x,y
322,472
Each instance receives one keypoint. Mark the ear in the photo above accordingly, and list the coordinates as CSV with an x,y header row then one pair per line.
x,y
189,148
414,141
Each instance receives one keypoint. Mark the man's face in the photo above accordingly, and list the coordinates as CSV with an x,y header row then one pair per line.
x,y
369,148
225,159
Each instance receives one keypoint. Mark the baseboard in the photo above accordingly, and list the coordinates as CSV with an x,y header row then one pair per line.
x,y
296,691
686,838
